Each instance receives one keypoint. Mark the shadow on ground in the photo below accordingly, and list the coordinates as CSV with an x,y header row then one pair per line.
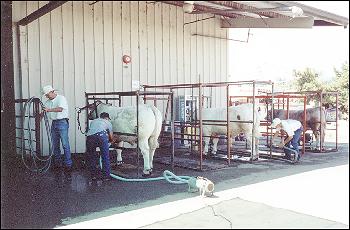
x,y
29,200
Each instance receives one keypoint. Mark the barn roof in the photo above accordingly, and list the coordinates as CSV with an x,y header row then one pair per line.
x,y
264,14
242,14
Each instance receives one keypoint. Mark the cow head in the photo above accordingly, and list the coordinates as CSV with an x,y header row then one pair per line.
x,y
92,110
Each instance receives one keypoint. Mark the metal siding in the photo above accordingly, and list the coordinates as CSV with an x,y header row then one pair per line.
x,y
199,50
166,43
108,45
223,65
143,42
68,89
158,44
98,47
89,64
126,77
45,63
212,69
206,49
86,43
180,50
135,55
79,70
173,46
217,63
33,54
194,58
187,50
117,44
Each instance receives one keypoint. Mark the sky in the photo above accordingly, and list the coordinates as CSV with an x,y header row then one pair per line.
x,y
273,54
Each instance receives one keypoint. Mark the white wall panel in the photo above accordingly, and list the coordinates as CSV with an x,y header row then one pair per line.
x,y
78,48
108,56
117,44
79,70
68,68
98,47
89,54
126,77
134,43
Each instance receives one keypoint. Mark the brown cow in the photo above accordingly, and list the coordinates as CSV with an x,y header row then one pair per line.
x,y
315,120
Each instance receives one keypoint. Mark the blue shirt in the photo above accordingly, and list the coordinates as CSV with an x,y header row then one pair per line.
x,y
99,125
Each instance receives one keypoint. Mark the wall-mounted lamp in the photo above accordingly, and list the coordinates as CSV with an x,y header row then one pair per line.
x,y
188,6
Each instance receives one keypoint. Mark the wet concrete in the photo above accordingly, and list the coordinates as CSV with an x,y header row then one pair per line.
x,y
46,201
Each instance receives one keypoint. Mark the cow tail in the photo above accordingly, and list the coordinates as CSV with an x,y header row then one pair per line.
x,y
158,125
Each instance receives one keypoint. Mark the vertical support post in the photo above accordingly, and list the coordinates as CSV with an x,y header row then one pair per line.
x,y
172,130
253,129
144,96
200,127
272,112
304,122
321,128
37,126
228,124
288,106
336,121
137,133
87,111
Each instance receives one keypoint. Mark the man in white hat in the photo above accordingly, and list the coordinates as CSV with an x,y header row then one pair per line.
x,y
56,108
293,129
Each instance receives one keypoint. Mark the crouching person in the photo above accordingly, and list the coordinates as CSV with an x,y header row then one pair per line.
x,y
99,134
293,129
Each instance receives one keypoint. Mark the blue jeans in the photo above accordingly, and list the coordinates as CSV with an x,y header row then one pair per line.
x,y
92,142
295,140
59,131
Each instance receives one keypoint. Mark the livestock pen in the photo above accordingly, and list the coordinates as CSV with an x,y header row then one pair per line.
x,y
327,116
269,102
139,96
194,126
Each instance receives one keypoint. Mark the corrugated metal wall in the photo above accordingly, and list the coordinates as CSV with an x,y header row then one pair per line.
x,y
78,48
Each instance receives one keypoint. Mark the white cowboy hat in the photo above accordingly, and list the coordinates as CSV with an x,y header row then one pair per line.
x,y
47,89
275,122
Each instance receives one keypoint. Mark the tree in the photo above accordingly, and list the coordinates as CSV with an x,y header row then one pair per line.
x,y
341,85
308,80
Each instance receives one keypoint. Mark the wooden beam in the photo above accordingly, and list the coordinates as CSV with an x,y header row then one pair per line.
x,y
299,22
8,120
40,12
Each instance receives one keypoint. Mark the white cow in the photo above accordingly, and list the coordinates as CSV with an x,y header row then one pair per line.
x,y
243,112
123,120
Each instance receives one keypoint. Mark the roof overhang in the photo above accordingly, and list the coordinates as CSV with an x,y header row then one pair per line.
x,y
264,14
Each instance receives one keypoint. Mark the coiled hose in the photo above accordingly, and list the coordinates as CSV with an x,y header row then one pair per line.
x,y
194,183
38,163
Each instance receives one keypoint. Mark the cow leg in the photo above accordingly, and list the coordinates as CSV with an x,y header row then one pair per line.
x,y
143,145
256,150
119,153
153,145
317,137
206,145
322,134
215,145
255,153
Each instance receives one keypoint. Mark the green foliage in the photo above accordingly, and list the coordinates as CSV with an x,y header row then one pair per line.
x,y
308,80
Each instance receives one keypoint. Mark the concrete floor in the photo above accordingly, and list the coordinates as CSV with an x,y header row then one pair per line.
x,y
32,201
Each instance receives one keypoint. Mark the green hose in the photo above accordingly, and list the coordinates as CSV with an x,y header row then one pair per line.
x,y
167,175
